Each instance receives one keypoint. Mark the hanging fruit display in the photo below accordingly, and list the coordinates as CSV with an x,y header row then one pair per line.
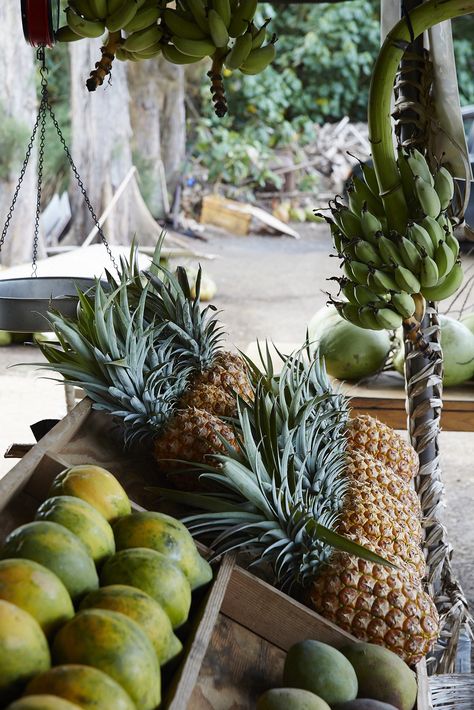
x,y
143,29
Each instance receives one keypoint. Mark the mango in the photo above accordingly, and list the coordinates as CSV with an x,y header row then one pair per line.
x,y
290,699
382,675
364,704
43,702
322,670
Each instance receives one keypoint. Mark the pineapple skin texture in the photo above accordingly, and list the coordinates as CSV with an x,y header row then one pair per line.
x,y
376,604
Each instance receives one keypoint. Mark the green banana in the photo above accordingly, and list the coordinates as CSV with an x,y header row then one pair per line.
x,y
123,16
368,318
355,201
239,52
337,236
98,8
113,5
363,295
348,222
139,41
419,236
370,179
370,225
444,259
241,17
65,34
348,291
388,319
259,36
145,17
349,312
365,252
403,304
387,249
407,180
174,56
406,280
453,244
82,27
194,47
360,271
444,186
419,166
429,275
84,8
427,197
365,195
381,282
410,255
346,267
181,27
217,29
222,7
197,8
434,230
447,287
259,59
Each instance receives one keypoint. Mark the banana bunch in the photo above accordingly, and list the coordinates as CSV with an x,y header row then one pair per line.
x,y
383,271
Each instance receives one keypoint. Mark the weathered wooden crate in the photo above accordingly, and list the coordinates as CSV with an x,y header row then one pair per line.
x,y
240,627
228,214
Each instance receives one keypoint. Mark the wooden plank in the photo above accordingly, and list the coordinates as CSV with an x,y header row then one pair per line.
x,y
195,654
423,701
274,616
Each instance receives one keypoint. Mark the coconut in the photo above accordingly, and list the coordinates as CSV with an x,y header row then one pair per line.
x,y
350,352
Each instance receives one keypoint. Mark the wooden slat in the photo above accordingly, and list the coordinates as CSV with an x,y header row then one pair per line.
x,y
274,616
190,669
424,694
456,415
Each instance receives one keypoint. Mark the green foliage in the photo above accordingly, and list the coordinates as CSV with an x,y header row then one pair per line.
x,y
13,142
463,34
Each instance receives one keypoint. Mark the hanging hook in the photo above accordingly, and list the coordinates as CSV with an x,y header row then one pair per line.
x,y
41,57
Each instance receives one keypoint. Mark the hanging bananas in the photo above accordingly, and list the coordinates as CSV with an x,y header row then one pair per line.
x,y
383,270
141,29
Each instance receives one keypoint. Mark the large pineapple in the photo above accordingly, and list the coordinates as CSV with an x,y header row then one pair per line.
x,y
296,506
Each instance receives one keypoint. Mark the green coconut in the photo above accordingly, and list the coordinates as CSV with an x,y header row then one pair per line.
x,y
457,344
468,321
350,352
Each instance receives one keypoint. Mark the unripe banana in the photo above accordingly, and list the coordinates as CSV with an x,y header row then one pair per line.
x,y
349,312
434,230
346,267
98,8
429,275
259,36
406,280
259,59
113,5
419,166
419,236
82,27
222,7
348,291
241,17
387,249
403,304
217,29
427,197
447,287
370,179
365,195
197,8
347,221
368,318
139,41
239,52
364,296
370,225
194,47
407,180
388,319
410,255
381,282
181,27
453,244
365,252
444,259
82,7
360,272
444,186
121,17
337,236
145,17
355,201
174,56
65,34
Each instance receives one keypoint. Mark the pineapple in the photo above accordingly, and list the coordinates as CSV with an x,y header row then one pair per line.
x,y
295,505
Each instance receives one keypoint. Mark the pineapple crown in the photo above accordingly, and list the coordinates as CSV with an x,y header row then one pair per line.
x,y
111,352
286,482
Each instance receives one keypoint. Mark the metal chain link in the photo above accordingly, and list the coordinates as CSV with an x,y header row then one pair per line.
x,y
44,108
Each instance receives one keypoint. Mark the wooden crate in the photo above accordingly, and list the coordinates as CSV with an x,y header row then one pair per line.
x,y
224,213
240,627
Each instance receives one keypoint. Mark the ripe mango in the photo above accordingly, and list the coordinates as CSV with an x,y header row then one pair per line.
x,y
290,699
382,675
364,704
322,670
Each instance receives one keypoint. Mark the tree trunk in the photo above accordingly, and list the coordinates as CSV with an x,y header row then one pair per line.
x,y
17,111
101,149
159,128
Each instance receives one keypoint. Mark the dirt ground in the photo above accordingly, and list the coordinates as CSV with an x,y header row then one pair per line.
x,y
268,287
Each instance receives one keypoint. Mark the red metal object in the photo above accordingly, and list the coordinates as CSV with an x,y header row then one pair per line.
x,y
40,18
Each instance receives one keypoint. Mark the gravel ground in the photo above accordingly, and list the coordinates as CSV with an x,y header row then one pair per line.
x,y
268,287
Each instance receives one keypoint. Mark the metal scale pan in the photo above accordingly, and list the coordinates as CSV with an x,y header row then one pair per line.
x,y
24,303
